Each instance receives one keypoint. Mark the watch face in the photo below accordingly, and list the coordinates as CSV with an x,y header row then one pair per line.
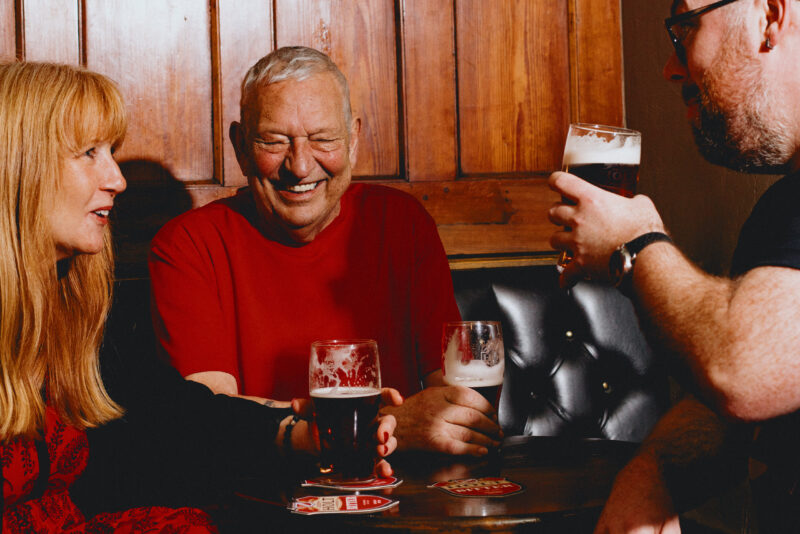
x,y
619,264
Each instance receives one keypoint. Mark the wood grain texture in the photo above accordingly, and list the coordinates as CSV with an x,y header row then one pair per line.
x,y
8,30
360,38
160,55
513,76
245,36
52,31
598,62
488,216
429,89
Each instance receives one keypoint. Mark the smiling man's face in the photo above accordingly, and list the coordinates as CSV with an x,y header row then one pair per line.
x,y
297,151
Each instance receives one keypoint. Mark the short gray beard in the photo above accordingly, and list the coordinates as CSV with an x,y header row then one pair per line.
x,y
748,138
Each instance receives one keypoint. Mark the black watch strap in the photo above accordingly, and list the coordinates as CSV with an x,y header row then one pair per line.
x,y
623,258
637,245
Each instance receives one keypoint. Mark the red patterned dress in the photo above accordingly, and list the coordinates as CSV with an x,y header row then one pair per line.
x,y
34,504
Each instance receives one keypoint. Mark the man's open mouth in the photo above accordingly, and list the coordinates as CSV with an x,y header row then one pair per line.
x,y
302,188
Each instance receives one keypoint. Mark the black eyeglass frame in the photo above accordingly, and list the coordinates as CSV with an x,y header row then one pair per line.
x,y
674,20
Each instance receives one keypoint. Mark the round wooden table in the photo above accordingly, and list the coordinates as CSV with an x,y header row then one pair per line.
x,y
565,483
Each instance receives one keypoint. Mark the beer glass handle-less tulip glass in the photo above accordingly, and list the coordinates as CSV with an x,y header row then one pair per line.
x,y
473,356
605,156
344,382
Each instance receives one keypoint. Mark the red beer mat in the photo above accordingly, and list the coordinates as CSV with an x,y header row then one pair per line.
x,y
341,504
480,487
378,483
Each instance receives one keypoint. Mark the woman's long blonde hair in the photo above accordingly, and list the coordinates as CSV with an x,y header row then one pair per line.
x,y
51,325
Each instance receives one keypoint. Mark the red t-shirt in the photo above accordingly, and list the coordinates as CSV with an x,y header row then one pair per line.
x,y
226,298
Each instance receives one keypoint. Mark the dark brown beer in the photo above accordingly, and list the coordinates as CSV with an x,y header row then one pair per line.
x,y
490,393
618,178
346,419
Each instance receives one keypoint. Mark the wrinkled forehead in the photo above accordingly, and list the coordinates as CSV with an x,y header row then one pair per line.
x,y
318,96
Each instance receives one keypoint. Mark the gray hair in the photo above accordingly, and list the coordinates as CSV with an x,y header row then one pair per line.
x,y
292,63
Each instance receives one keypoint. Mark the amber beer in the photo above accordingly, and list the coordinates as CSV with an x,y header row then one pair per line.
x,y
346,419
619,178
605,156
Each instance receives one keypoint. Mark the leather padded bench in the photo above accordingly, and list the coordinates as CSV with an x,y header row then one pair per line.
x,y
577,363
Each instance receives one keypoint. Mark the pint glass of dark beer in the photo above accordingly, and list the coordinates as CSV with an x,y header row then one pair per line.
x,y
473,356
344,382
605,156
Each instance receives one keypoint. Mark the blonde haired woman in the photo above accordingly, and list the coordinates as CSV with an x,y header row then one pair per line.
x,y
59,127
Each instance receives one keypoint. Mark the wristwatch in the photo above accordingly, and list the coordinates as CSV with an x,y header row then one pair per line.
x,y
620,265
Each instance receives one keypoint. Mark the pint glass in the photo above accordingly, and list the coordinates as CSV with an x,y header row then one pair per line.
x,y
473,356
344,382
605,156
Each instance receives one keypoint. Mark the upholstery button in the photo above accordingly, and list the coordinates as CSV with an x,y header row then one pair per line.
x,y
607,387
568,334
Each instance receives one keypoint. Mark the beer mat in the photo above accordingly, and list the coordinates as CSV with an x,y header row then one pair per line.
x,y
378,483
340,504
480,487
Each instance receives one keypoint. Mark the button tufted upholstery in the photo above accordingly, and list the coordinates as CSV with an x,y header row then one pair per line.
x,y
576,362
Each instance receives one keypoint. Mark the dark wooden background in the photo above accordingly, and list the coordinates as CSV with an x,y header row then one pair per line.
x,y
464,103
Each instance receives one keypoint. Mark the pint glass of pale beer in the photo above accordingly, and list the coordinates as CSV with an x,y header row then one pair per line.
x,y
344,382
605,156
473,356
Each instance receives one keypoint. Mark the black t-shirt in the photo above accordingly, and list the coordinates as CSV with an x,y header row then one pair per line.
x,y
771,237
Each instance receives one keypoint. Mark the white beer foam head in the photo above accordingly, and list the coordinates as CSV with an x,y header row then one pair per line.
x,y
344,392
589,148
476,372
341,361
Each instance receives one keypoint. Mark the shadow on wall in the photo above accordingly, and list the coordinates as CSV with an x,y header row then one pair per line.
x,y
153,197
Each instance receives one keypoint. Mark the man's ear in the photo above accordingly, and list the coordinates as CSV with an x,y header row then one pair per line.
x,y
779,15
355,130
239,142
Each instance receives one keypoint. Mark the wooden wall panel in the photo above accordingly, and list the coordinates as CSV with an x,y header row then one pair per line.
x,y
513,79
465,103
51,30
429,89
599,95
245,36
160,54
360,37
8,31
508,213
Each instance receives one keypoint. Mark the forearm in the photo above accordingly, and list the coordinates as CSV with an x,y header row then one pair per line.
x,y
739,337
685,309
696,453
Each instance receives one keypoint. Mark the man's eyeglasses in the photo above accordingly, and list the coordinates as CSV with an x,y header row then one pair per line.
x,y
677,26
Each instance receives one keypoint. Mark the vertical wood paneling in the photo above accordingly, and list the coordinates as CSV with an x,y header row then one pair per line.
x,y
429,89
51,30
473,120
513,79
598,60
360,37
245,36
160,54
8,32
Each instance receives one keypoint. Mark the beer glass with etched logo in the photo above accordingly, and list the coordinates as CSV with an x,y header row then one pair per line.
x,y
473,356
344,382
606,156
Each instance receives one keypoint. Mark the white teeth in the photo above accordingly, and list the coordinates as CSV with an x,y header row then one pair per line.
x,y
302,188
101,213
